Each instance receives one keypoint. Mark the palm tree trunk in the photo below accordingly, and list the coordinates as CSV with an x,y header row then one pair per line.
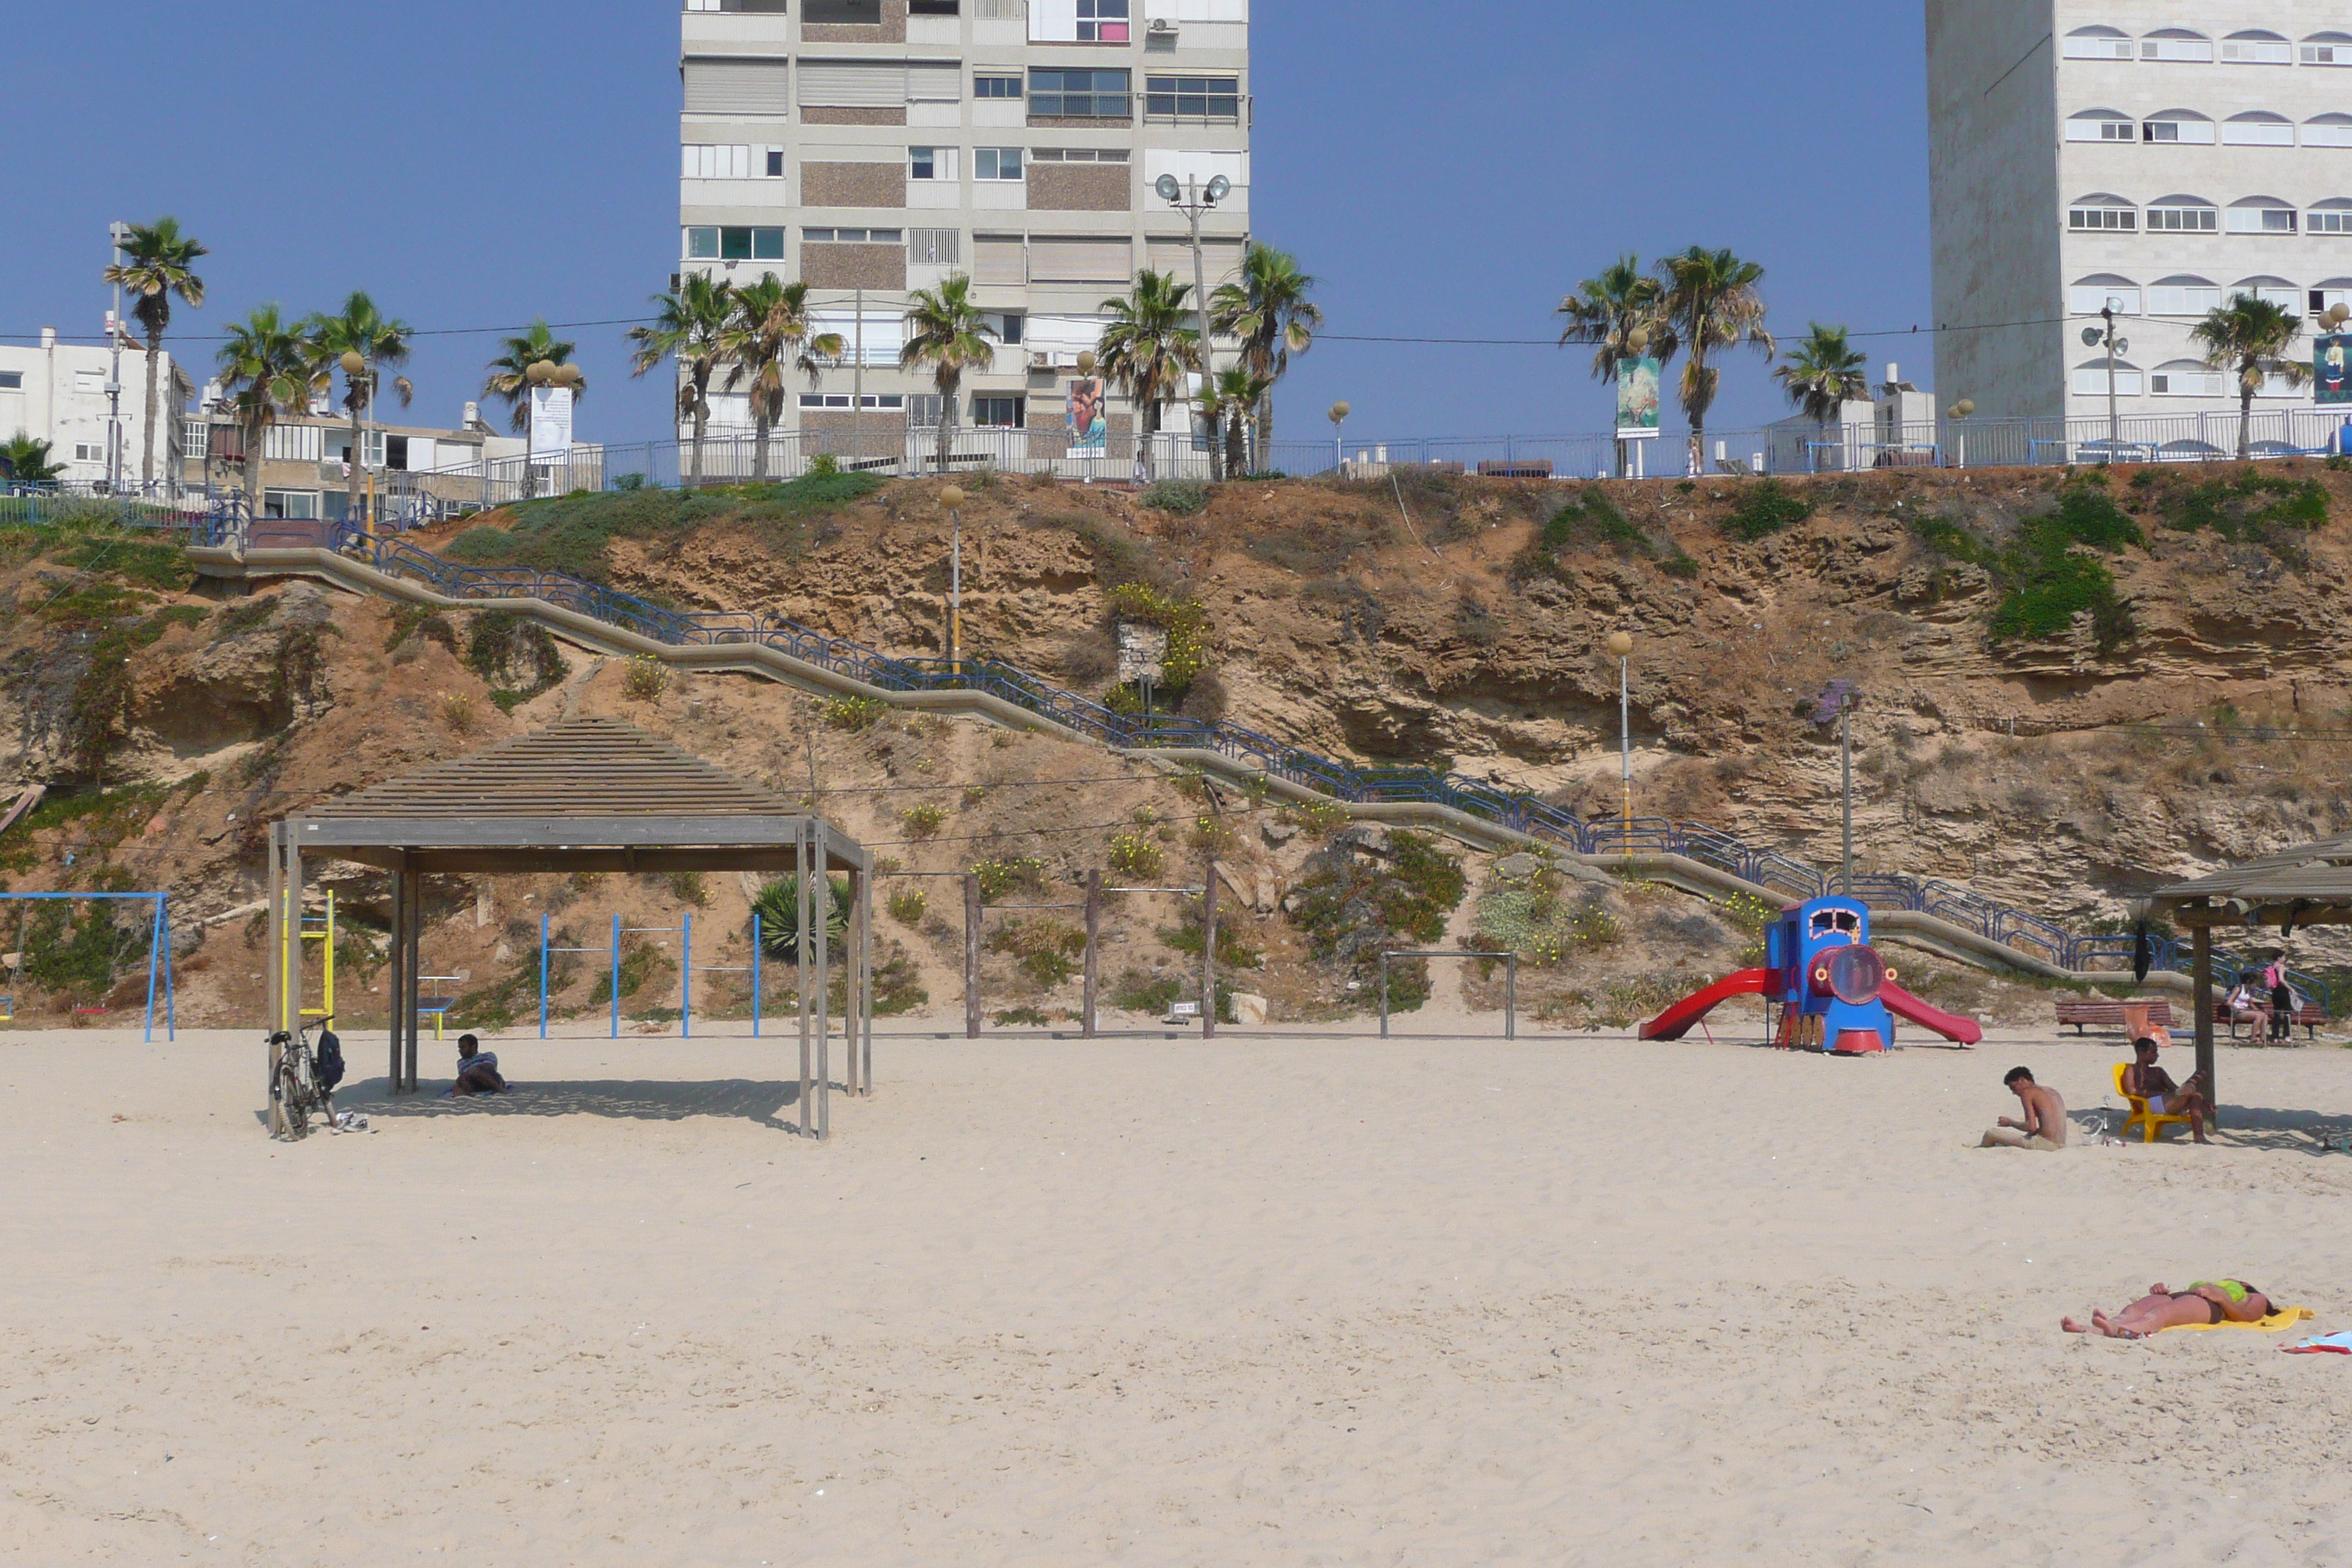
x,y
2245,418
759,454
1266,434
155,369
1236,459
701,419
359,461
253,474
947,391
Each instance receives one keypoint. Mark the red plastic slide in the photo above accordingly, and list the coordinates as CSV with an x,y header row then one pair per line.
x,y
1677,1021
1903,1005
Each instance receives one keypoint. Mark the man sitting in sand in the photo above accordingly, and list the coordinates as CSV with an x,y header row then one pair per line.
x,y
2044,1126
2146,1080
478,1069
2208,1301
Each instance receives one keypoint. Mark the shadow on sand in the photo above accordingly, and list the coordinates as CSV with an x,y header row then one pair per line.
x,y
765,1102
2288,1131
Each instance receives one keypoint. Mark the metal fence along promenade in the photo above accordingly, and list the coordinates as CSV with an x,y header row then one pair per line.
x,y
1250,750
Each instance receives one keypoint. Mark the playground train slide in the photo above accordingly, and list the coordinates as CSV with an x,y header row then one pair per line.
x,y
1835,993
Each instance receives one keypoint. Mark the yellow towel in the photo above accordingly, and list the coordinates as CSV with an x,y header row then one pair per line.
x,y
2285,1317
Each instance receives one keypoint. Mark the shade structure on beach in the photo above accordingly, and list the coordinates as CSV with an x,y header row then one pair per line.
x,y
585,795
2310,885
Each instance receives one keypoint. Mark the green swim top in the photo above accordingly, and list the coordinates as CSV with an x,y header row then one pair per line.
x,y
2236,1290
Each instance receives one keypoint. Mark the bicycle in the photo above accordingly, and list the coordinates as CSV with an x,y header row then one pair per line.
x,y
297,1086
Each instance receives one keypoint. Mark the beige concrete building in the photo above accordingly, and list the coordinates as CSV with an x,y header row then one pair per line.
x,y
873,147
2123,153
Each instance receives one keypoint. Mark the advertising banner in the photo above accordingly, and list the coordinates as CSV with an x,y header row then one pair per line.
x,y
1089,422
551,421
1637,399
2330,379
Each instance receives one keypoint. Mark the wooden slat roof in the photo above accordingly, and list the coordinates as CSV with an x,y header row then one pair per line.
x,y
2320,872
583,768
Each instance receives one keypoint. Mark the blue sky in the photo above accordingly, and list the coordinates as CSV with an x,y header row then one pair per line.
x,y
1448,171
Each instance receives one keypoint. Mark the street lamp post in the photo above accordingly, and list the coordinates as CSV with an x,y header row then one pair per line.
x,y
2091,337
1340,412
1847,702
361,380
1637,341
1958,412
1192,199
118,239
951,498
1621,644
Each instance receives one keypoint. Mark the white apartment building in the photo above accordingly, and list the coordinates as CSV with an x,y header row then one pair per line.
x,y
56,392
2151,157
873,147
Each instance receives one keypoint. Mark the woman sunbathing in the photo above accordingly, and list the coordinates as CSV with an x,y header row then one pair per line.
x,y
2206,1302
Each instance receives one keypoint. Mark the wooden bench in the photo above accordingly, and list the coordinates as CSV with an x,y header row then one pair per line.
x,y
1525,468
2109,1015
2311,1015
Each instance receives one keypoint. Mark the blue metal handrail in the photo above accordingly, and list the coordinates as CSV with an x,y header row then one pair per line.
x,y
229,519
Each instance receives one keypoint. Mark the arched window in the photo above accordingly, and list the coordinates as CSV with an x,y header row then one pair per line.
x,y
2183,214
2178,125
2102,291
2091,378
2327,130
2327,49
2325,295
2098,44
2183,294
2187,378
2255,46
2102,214
2176,44
2257,128
2100,125
2261,214
2331,217
2277,291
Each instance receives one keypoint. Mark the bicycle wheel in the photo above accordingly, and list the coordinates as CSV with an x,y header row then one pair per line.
x,y
293,1098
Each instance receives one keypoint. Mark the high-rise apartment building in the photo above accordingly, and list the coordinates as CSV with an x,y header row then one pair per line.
x,y
874,147
2123,153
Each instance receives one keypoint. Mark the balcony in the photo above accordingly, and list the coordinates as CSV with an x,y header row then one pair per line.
x,y
1081,109
1184,108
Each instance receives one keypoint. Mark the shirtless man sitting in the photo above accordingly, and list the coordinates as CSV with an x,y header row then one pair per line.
x,y
2146,1080
2044,1126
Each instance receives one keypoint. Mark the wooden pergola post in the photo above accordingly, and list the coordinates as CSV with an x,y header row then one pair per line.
x,y
800,957
1094,955
971,918
412,964
2200,984
823,893
1209,954
395,980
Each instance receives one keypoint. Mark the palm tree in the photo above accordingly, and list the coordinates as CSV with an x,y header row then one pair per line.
x,y
2250,336
267,369
1268,311
1612,311
1149,344
1711,302
1239,398
509,373
946,332
360,330
767,335
1822,375
161,264
24,460
687,328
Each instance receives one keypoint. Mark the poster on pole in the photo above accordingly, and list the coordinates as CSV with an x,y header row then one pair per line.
x,y
551,421
2331,380
1089,425
1637,399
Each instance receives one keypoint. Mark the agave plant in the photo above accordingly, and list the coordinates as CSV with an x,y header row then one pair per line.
x,y
778,907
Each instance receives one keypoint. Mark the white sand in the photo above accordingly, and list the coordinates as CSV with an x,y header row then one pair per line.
x,y
1303,1301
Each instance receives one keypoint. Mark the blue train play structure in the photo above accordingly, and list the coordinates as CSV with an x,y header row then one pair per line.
x,y
1834,992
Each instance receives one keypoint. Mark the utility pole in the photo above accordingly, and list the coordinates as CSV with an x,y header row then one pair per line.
x,y
857,384
2115,423
1845,747
1621,644
1192,199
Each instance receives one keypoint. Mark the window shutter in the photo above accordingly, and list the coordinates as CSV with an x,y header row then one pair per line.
x,y
1081,260
998,260
934,82
853,84
737,86
1053,21
934,246
1221,260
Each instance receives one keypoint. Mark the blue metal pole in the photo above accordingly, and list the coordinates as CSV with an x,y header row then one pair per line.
x,y
542,974
154,939
755,974
616,972
686,977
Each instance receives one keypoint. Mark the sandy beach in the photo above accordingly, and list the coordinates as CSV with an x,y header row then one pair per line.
x,y
1307,1300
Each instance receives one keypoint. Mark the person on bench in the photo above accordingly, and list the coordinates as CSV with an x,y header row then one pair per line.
x,y
2147,1081
2044,1126
2207,1303
478,1069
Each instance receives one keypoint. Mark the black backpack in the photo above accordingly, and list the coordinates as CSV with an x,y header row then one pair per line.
x,y
330,1059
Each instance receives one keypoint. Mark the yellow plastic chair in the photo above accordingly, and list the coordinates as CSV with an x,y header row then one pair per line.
x,y
2150,1123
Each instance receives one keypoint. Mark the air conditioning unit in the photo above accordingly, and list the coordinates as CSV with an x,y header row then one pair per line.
x,y
1162,25
1041,362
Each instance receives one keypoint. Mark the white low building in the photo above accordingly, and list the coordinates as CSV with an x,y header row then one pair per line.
x,y
56,392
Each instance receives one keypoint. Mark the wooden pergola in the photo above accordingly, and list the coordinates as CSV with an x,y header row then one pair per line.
x,y
2307,886
591,795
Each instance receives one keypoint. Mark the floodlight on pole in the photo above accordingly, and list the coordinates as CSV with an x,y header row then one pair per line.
x,y
1340,412
951,498
1192,199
